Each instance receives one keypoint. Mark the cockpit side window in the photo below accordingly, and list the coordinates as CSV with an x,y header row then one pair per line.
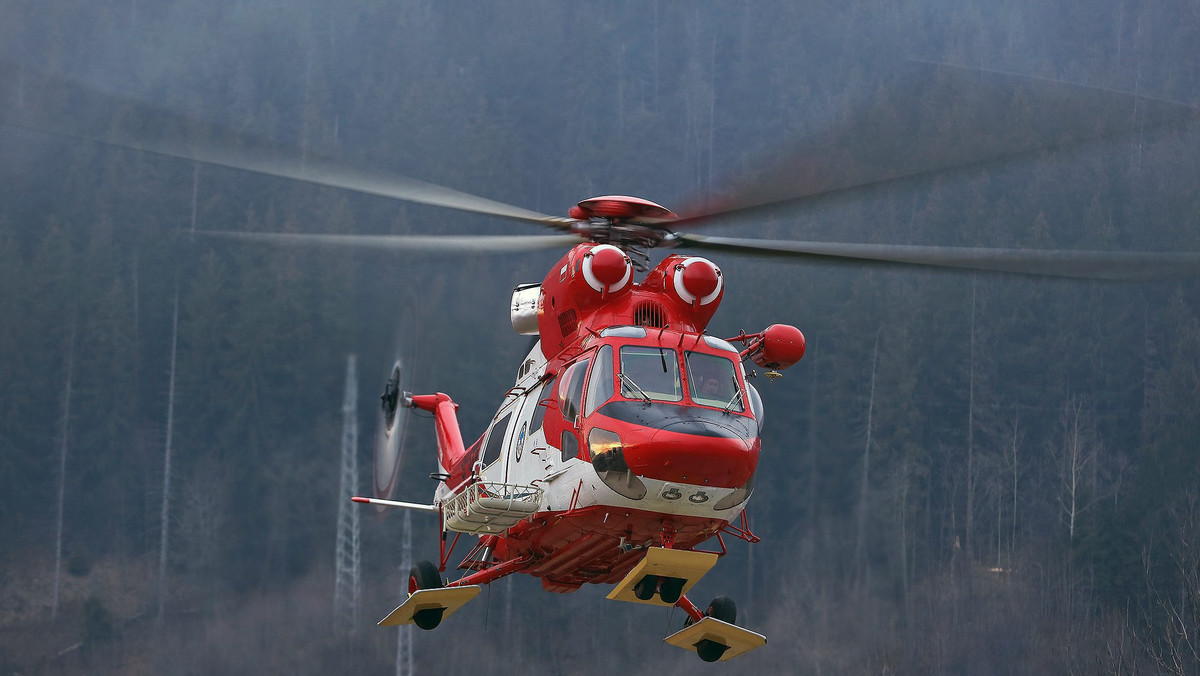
x,y
570,390
600,386
650,373
712,381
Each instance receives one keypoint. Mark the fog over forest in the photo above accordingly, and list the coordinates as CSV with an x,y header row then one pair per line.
x,y
968,473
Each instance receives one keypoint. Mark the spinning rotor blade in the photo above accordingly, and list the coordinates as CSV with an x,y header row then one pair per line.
x,y
417,243
1108,265
70,110
999,117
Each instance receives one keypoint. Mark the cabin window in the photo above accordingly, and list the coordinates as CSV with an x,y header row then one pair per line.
x,y
570,390
600,386
495,440
650,373
570,445
623,332
539,409
756,405
712,381
719,344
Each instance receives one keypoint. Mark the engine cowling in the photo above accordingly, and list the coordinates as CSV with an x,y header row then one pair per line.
x,y
697,281
523,311
606,269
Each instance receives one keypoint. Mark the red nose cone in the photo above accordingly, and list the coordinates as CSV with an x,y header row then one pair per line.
x,y
608,265
677,454
700,278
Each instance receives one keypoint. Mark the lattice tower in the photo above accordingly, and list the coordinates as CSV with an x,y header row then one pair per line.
x,y
346,586
404,646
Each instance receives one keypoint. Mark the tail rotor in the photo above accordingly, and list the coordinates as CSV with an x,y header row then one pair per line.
x,y
394,413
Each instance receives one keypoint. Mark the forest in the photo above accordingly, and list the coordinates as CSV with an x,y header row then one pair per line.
x,y
968,473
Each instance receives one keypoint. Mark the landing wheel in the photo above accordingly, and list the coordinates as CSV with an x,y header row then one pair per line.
x,y
425,575
721,608
646,587
710,651
670,589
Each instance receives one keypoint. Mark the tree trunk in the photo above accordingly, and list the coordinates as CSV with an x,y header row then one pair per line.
x,y
64,444
164,536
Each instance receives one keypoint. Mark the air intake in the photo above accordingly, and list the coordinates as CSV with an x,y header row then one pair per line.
x,y
568,322
650,314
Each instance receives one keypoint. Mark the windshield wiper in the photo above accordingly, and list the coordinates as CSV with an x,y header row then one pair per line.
x,y
737,397
632,385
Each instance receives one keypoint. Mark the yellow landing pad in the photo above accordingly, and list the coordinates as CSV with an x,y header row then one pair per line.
x,y
450,598
740,641
690,566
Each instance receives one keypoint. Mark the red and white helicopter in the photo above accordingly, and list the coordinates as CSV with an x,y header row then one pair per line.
x,y
631,437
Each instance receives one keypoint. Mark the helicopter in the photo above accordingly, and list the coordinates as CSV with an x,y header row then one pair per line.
x,y
630,438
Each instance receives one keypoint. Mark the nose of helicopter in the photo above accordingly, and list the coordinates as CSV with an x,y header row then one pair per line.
x,y
685,444
701,452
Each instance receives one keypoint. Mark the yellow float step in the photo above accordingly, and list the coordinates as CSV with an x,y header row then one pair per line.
x,y
687,565
449,599
738,640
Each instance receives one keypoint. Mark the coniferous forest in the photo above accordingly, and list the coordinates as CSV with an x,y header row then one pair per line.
x,y
968,473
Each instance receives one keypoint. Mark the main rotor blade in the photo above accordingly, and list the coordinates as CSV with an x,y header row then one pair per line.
x,y
1133,266
414,243
907,134
54,106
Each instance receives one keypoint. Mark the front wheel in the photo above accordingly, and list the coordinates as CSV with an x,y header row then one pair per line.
x,y
425,575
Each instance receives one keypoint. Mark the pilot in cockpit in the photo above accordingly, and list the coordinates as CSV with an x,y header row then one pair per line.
x,y
712,379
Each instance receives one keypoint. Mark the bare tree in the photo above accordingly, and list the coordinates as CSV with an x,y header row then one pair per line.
x,y
865,482
1008,477
64,445
1076,458
1172,622
164,538
969,516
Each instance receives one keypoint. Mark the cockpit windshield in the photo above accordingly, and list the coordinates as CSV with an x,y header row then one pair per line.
x,y
712,381
650,373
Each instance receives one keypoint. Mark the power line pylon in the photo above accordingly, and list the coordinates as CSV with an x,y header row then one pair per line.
x,y
346,586
404,647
